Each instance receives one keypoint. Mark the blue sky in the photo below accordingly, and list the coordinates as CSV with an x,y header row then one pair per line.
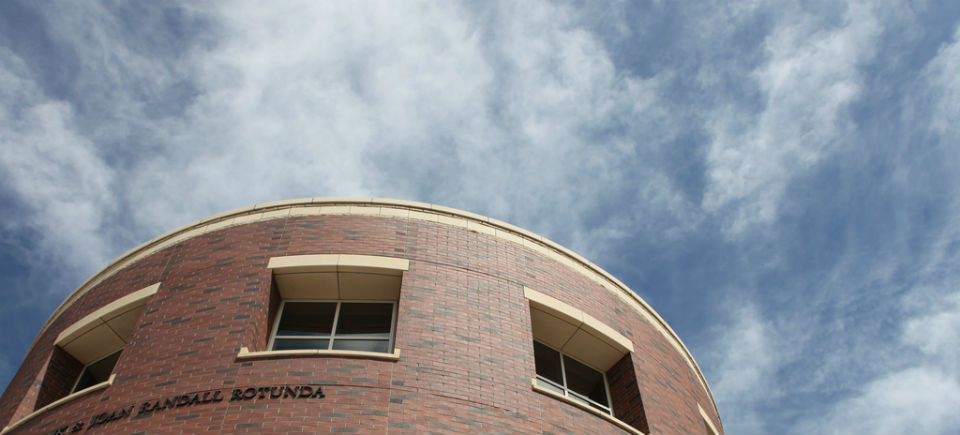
x,y
778,180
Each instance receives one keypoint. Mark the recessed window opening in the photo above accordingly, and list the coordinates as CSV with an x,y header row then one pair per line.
x,y
88,350
335,325
558,372
96,372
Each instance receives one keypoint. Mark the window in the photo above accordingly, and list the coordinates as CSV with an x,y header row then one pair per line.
x,y
88,350
96,372
333,305
335,325
562,374
581,360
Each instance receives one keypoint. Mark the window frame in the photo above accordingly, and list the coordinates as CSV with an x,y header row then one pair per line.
x,y
566,391
336,318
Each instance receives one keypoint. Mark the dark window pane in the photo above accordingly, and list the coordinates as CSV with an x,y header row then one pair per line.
x,y
364,345
97,372
307,318
585,380
548,362
367,319
297,343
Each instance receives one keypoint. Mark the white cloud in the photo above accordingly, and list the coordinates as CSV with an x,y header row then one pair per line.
x,y
916,400
511,110
914,387
56,172
937,333
744,361
807,82
943,77
760,367
922,396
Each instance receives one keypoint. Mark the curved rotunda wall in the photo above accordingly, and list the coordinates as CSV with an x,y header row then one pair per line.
x,y
193,315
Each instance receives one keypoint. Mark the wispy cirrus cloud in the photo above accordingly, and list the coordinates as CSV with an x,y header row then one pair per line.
x,y
919,388
806,84
744,365
54,169
502,102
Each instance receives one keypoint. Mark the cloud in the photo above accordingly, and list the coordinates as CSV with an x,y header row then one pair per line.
x,y
761,368
912,384
58,175
943,77
743,368
809,78
915,400
921,397
937,332
507,110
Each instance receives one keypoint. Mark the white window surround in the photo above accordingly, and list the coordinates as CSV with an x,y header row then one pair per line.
x,y
581,336
574,332
338,277
107,329
245,354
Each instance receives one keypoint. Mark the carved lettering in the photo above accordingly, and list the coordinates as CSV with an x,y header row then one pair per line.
x,y
197,398
98,419
305,392
249,393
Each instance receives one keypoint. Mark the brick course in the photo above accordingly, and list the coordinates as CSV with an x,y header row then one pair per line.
x,y
463,329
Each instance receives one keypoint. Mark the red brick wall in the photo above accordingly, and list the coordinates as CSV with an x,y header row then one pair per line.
x,y
463,330
625,396
59,378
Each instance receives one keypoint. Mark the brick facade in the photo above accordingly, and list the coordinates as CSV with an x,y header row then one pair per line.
x,y
463,328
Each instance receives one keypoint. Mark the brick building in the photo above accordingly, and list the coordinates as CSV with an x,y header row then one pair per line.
x,y
350,315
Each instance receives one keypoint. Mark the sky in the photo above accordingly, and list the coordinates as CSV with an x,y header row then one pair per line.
x,y
777,179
